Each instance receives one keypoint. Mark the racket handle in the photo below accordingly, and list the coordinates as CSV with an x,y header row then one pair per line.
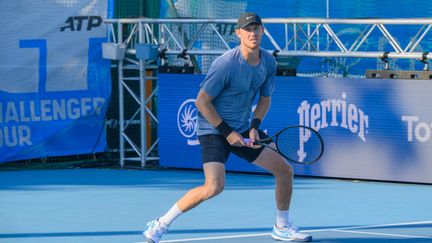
x,y
247,140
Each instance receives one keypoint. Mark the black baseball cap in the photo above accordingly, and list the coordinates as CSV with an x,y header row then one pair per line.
x,y
248,18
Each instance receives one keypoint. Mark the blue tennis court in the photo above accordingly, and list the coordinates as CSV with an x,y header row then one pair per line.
x,y
111,205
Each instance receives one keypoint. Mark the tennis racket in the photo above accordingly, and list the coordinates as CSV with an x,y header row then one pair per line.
x,y
298,144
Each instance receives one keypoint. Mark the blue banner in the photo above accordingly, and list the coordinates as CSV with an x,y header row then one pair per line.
x,y
376,129
54,84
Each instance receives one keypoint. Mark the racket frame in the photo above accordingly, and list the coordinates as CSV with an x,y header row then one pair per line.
x,y
263,142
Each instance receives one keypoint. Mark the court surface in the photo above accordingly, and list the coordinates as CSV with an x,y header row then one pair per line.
x,y
109,205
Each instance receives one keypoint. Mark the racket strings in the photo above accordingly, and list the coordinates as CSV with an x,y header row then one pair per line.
x,y
300,144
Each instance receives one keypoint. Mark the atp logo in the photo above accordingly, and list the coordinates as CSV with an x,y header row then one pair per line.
x,y
186,121
76,23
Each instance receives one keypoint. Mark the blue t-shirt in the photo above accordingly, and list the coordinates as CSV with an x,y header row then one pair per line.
x,y
233,84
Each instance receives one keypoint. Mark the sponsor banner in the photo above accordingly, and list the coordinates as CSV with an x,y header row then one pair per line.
x,y
378,129
54,84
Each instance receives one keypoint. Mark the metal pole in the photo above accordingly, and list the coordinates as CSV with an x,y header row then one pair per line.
x,y
327,17
142,80
121,98
399,21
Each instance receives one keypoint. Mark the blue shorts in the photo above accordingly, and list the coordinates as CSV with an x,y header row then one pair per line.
x,y
215,148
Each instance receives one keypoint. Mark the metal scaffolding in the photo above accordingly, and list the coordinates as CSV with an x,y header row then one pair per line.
x,y
296,36
285,37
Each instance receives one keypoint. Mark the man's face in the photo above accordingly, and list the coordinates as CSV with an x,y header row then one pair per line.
x,y
250,36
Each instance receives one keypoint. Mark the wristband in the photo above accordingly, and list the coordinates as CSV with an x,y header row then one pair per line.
x,y
255,123
224,129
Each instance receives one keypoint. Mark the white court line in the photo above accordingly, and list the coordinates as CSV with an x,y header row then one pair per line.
x,y
216,237
383,234
346,229
371,226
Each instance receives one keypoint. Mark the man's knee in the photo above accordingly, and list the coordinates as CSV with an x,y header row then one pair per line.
x,y
285,171
213,189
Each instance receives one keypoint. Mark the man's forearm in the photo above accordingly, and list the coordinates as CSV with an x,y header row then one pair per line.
x,y
205,105
209,112
262,107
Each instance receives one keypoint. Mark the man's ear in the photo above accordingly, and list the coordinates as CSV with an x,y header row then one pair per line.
x,y
237,32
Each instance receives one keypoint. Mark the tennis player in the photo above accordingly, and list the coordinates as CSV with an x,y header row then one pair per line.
x,y
224,103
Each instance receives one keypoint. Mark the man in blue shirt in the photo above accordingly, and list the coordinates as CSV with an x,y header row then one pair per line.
x,y
224,103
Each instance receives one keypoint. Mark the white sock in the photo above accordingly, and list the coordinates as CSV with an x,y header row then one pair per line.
x,y
282,218
171,215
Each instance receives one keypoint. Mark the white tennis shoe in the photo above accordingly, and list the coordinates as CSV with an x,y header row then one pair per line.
x,y
289,233
155,231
